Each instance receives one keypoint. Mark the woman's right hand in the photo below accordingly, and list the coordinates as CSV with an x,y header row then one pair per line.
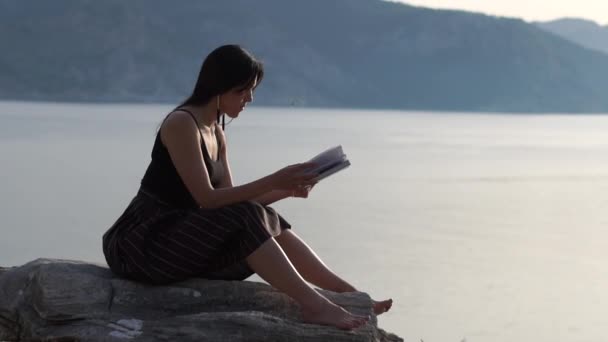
x,y
294,176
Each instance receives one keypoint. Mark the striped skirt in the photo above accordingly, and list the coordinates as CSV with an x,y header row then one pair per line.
x,y
156,243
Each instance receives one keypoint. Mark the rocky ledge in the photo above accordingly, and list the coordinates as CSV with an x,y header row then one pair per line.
x,y
62,300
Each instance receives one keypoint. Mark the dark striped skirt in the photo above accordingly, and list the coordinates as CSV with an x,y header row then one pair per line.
x,y
154,242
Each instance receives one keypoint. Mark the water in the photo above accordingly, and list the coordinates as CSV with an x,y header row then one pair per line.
x,y
480,227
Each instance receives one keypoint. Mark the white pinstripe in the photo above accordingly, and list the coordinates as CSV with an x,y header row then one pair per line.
x,y
188,248
248,227
208,233
228,217
158,257
167,275
197,240
248,230
209,221
258,225
133,260
180,256
136,232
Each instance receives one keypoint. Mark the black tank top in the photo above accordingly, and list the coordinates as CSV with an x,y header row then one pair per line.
x,y
162,180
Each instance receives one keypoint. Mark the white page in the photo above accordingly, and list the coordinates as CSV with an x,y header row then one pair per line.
x,y
329,162
327,157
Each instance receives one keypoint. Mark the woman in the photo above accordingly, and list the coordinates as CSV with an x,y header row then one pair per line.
x,y
189,220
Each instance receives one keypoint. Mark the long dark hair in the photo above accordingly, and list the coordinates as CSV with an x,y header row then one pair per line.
x,y
225,68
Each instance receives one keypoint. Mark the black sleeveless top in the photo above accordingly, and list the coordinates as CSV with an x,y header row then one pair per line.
x,y
162,180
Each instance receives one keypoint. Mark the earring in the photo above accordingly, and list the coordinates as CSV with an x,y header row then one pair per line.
x,y
218,108
223,117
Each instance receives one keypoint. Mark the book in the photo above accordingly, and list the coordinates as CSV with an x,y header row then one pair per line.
x,y
329,162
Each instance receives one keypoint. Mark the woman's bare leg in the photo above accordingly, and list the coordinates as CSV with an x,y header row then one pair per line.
x,y
314,270
271,264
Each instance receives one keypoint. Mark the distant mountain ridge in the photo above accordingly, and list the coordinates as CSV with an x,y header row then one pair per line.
x,y
584,32
321,53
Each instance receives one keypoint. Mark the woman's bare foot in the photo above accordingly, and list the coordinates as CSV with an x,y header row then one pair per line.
x,y
333,315
379,307
382,306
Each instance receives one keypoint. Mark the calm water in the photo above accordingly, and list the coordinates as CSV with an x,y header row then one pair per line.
x,y
481,227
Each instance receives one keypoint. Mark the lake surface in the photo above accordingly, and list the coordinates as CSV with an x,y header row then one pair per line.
x,y
481,227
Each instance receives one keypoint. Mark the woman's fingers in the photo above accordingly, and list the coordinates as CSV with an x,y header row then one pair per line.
x,y
307,179
296,175
301,191
302,174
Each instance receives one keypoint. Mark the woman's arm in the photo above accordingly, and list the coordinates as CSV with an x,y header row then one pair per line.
x,y
277,195
182,139
273,196
265,199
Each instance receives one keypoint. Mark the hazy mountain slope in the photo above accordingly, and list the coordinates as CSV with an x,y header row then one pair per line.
x,y
584,32
348,53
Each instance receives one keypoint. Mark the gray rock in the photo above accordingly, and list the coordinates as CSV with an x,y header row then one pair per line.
x,y
62,300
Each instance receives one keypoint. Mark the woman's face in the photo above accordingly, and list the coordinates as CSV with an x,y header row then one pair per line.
x,y
235,100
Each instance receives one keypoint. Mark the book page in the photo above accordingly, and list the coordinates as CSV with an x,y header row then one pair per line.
x,y
327,158
329,162
336,168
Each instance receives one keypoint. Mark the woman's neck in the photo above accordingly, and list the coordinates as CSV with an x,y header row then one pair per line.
x,y
205,114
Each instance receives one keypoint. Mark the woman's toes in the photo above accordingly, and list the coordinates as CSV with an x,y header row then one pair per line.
x,y
382,306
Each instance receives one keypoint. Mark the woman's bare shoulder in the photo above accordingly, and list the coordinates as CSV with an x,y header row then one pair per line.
x,y
178,124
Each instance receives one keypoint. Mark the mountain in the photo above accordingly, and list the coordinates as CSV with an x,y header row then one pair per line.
x,y
322,53
584,32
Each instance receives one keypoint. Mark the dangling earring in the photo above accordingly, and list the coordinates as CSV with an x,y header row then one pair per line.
x,y
218,108
218,114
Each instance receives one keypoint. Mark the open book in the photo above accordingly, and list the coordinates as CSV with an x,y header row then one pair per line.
x,y
329,162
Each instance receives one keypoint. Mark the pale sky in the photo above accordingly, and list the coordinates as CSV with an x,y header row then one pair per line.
x,y
541,10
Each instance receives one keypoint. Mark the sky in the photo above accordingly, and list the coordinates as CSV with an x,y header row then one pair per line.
x,y
529,10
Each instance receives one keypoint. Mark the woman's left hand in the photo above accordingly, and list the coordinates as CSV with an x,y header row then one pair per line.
x,y
302,192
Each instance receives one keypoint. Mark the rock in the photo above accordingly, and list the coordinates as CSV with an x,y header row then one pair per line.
x,y
62,300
